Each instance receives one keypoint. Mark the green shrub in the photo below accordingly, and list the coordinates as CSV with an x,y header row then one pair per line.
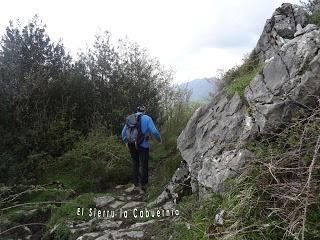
x,y
315,17
68,211
56,139
7,167
278,177
238,78
239,83
164,168
196,219
35,165
177,120
48,195
250,62
94,164
35,151
164,158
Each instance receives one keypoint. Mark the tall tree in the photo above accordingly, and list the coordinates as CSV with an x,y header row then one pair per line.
x,y
30,64
124,76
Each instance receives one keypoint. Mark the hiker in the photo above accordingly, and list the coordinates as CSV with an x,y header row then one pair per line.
x,y
135,134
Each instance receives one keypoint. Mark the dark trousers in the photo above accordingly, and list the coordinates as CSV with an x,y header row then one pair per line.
x,y
139,157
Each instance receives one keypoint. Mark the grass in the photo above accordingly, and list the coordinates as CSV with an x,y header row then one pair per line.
x,y
94,164
164,164
238,78
157,152
31,210
48,195
287,154
197,216
68,211
69,180
315,18
165,158
239,83
32,197
196,219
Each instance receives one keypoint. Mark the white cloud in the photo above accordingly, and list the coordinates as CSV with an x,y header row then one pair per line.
x,y
194,37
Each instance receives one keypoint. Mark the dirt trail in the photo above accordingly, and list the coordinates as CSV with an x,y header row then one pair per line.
x,y
122,216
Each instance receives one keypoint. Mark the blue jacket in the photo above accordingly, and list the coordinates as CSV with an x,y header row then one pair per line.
x,y
147,127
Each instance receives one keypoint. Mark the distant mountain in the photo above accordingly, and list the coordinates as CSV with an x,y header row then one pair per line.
x,y
201,88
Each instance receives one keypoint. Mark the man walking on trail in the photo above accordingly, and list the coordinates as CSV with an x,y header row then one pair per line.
x,y
135,134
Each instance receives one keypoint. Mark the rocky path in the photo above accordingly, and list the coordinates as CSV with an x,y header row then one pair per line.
x,y
122,215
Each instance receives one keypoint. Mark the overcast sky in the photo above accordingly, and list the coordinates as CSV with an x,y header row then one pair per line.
x,y
195,37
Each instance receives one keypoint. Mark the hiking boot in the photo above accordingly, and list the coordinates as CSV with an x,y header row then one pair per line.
x,y
139,190
143,188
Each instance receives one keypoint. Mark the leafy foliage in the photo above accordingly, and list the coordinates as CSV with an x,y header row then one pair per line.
x,y
68,212
94,164
124,76
238,78
250,63
239,84
48,101
196,219
315,17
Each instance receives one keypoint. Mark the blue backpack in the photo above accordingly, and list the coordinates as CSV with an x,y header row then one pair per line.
x,y
133,132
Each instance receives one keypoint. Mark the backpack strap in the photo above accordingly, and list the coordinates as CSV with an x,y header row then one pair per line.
x,y
141,136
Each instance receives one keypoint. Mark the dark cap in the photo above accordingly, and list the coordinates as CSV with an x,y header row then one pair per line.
x,y
141,109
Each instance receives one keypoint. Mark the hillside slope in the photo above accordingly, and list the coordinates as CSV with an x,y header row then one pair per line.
x,y
215,144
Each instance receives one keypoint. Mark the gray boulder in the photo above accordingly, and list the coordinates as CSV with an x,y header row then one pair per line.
x,y
213,142
279,29
103,200
287,82
178,186
217,169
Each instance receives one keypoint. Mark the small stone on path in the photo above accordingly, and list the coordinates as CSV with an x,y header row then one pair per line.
x,y
121,198
132,205
103,201
141,224
116,204
109,224
89,235
129,189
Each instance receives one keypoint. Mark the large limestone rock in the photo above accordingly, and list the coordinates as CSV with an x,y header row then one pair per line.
x,y
178,186
287,81
217,169
279,29
213,142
